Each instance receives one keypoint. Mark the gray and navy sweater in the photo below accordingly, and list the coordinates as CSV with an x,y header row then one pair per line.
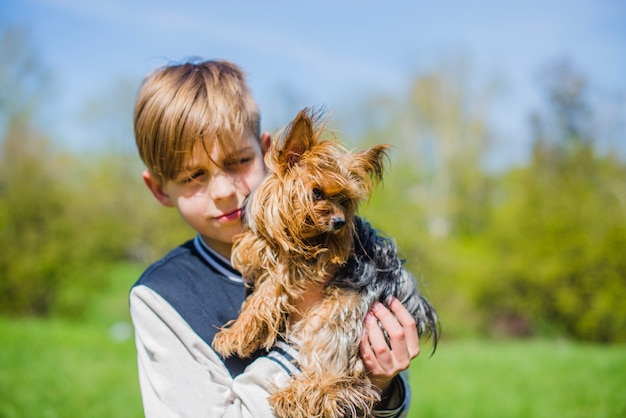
x,y
177,306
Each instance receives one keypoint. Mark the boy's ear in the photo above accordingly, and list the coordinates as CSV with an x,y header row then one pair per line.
x,y
266,141
157,189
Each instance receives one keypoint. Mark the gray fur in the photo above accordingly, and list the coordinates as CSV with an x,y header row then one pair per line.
x,y
377,272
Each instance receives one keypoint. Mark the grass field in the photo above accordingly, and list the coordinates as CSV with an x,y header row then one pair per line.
x,y
520,379
54,368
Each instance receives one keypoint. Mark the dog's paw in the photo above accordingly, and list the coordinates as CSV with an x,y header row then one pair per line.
x,y
332,398
230,341
223,343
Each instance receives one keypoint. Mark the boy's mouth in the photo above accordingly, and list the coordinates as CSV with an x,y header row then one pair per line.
x,y
236,214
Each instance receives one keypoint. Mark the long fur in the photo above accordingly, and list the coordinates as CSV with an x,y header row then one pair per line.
x,y
302,233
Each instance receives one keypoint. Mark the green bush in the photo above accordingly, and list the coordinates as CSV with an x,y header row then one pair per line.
x,y
559,238
42,253
64,217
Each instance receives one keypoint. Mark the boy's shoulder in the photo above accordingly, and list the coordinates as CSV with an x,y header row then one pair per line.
x,y
203,296
178,262
188,272
181,278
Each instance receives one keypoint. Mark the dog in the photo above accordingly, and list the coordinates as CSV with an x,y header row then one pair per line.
x,y
302,234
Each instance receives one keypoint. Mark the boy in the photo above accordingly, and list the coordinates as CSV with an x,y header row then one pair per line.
x,y
197,130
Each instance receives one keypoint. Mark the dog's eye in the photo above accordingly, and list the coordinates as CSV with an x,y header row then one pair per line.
x,y
317,194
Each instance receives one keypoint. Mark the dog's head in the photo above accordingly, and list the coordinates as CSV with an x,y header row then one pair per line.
x,y
309,199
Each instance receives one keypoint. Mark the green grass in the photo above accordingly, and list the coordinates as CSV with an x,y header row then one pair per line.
x,y
55,368
520,379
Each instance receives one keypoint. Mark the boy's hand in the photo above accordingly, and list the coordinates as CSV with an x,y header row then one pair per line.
x,y
383,361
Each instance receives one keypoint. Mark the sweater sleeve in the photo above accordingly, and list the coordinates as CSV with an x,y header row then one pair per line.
x,y
181,376
400,398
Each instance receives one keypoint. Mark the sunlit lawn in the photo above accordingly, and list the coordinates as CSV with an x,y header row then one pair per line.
x,y
520,379
54,368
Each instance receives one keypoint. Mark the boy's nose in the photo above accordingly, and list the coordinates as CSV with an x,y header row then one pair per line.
x,y
221,186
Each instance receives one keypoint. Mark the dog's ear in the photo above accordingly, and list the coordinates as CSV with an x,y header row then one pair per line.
x,y
371,161
300,136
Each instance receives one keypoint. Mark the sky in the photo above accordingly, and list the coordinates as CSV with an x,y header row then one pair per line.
x,y
330,52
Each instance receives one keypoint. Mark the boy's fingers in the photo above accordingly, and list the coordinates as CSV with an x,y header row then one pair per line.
x,y
367,354
408,324
380,375
387,352
399,355
377,342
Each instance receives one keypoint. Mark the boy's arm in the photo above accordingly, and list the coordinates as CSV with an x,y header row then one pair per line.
x,y
398,399
181,376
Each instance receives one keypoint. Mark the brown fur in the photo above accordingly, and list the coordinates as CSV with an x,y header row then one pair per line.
x,y
299,232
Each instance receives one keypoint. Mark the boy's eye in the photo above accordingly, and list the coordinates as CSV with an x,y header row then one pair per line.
x,y
317,194
237,162
193,176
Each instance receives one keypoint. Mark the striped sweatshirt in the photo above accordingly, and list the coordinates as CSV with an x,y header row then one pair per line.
x,y
177,306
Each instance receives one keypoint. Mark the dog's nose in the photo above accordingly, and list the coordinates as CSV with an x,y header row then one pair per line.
x,y
338,223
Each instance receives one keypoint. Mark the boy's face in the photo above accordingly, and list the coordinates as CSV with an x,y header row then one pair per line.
x,y
209,194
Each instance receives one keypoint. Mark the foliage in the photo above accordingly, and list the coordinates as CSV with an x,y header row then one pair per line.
x,y
559,229
532,250
62,220
559,237
34,268
63,216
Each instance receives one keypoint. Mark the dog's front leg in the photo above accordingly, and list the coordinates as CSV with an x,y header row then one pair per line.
x,y
261,320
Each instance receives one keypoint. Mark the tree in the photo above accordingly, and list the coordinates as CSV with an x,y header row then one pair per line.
x,y
436,198
445,137
560,231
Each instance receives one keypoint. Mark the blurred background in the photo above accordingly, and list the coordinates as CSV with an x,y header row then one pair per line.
x,y
506,190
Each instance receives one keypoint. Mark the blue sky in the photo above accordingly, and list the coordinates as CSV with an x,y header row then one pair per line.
x,y
334,53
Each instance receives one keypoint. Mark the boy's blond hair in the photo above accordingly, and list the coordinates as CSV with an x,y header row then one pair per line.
x,y
182,105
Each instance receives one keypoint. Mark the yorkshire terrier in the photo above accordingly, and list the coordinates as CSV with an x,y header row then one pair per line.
x,y
301,234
